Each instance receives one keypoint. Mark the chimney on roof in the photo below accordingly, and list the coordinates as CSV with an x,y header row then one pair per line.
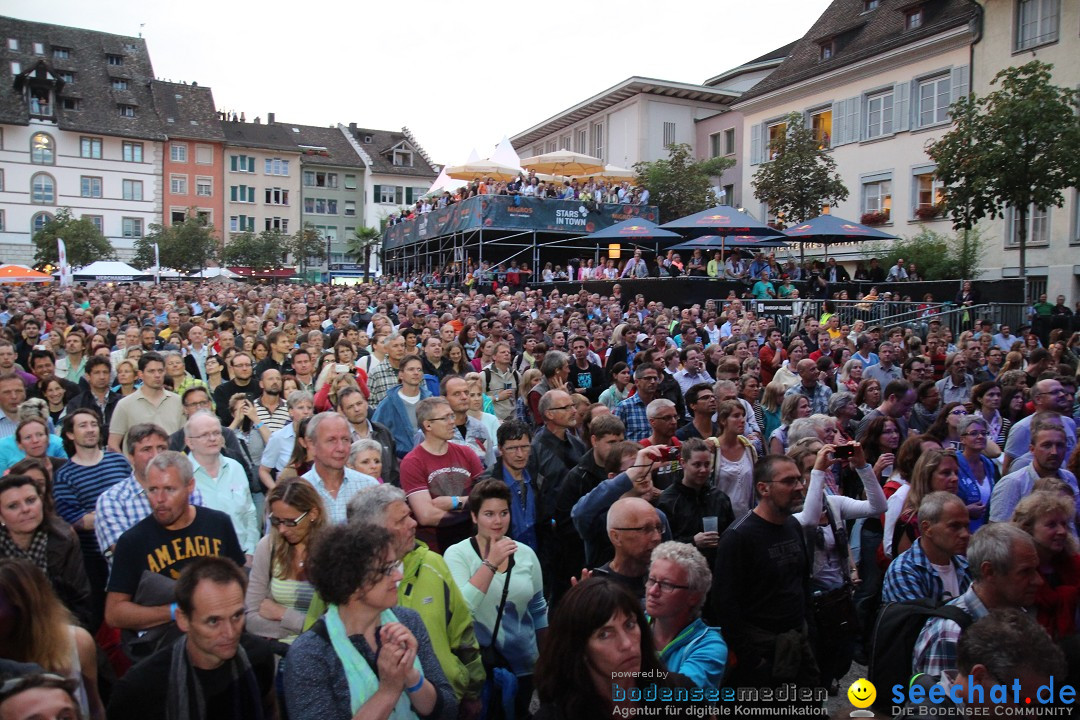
x,y
257,121
269,118
352,126
242,118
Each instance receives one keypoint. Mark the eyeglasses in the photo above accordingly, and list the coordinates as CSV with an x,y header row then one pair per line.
x,y
516,448
212,435
649,378
976,433
388,569
562,407
444,418
1054,392
276,521
791,482
644,529
665,586
668,418
197,403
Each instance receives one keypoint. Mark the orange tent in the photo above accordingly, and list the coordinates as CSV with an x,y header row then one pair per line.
x,y
20,274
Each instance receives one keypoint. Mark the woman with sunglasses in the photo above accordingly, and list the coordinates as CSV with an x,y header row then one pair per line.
x,y
279,592
366,657
945,428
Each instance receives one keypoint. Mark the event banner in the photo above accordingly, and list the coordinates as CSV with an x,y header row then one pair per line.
x,y
507,212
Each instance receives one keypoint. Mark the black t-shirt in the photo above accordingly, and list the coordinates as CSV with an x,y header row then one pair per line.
x,y
142,693
592,380
149,546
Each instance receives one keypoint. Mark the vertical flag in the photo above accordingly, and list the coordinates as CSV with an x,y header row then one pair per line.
x,y
65,271
157,265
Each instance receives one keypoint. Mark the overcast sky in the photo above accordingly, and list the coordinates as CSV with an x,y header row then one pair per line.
x,y
460,75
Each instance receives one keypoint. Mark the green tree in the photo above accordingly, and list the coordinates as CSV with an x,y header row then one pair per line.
x,y
84,242
185,247
360,246
264,251
306,244
937,256
800,178
679,186
1018,147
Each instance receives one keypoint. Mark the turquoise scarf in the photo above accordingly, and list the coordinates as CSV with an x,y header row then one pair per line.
x,y
363,682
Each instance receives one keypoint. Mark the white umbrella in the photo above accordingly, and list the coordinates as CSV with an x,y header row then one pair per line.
x,y
564,162
483,169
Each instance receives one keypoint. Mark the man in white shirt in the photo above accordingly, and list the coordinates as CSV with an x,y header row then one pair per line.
x,y
221,480
897,273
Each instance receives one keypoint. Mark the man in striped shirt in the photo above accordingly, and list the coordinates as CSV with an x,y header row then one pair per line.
x,y
90,471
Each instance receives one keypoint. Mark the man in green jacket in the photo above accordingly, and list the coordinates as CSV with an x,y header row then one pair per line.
x,y
428,588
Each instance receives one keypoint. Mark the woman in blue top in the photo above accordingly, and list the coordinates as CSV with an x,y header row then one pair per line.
x,y
978,473
482,566
675,590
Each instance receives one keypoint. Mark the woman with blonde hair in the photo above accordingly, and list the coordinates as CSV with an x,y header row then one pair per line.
x,y
1045,516
481,406
39,629
794,407
127,377
771,401
936,470
851,374
1014,360
529,379
279,594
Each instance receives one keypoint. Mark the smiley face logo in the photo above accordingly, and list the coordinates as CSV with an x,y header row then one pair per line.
x,y
862,693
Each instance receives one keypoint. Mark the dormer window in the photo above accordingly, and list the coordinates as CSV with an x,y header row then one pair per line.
x,y
828,49
67,76
869,5
913,19
41,102
119,84
61,53
127,111
367,139
115,60
13,43
403,158
39,48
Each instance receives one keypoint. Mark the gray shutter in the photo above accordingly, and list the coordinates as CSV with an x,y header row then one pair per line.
x,y
408,196
755,144
855,118
901,113
837,123
958,83
847,123
378,192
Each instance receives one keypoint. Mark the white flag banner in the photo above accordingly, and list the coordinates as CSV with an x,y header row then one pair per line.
x,y
65,270
157,266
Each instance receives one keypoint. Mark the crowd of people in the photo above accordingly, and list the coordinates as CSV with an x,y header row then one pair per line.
x,y
589,191
383,501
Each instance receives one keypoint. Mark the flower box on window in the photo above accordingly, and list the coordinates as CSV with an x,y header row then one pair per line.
x,y
875,218
929,212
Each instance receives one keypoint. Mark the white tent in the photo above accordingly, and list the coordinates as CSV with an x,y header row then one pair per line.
x,y
443,182
213,272
166,273
505,154
111,271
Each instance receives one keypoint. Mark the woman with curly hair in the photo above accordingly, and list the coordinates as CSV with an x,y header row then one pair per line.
x,y
1046,517
868,396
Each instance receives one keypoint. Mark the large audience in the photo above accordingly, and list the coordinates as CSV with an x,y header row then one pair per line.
x,y
226,501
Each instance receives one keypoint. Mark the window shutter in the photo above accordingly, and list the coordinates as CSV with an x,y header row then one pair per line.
x,y
232,193
251,194
837,123
901,114
378,193
408,196
398,195
755,144
232,163
846,121
251,169
958,85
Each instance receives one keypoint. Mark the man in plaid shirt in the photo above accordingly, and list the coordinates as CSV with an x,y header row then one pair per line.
x,y
1005,572
632,410
384,376
934,566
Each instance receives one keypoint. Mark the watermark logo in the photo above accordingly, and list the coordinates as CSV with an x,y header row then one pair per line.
x,y
862,694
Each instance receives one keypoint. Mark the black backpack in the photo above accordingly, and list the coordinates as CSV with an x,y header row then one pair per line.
x,y
893,646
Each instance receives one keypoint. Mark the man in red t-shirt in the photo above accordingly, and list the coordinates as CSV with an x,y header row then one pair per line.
x,y
437,477
772,355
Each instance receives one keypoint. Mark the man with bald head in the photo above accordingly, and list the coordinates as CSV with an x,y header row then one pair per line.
x,y
634,528
1047,396
811,387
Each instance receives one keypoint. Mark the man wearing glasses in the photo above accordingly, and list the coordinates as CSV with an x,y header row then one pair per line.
x,y
437,476
222,481
241,369
635,529
632,410
1047,396
761,583
196,399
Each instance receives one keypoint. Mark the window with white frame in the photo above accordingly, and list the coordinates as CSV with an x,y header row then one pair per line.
x,y
98,221
241,163
538,149
132,189
277,223
669,133
929,194
715,147
204,155
552,145
913,19
178,184
350,208
13,43
178,152
177,216
598,140
133,152
582,143
320,206
39,48
403,158
564,142
2,225
391,194
775,134
1037,22
877,196
729,141
119,84
1,179
42,149
39,221
90,147
277,196
327,232
204,186
125,110
67,76
320,179
242,223
1038,226
879,114
276,166
43,189
90,187
242,194
16,67
61,53
350,182
933,98
132,227
115,60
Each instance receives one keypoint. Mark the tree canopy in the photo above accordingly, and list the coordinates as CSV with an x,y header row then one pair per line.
x,y
360,246
185,247
801,177
84,242
305,245
938,256
266,250
681,186
1018,147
